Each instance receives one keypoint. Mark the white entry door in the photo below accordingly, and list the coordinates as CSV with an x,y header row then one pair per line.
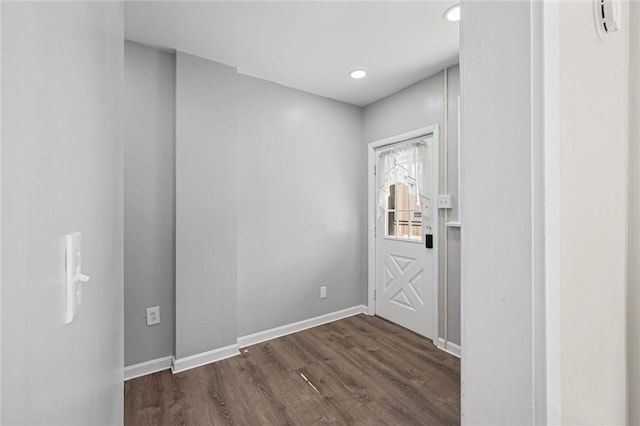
x,y
406,239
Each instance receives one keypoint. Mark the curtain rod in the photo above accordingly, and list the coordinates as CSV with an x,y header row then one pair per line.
x,y
395,144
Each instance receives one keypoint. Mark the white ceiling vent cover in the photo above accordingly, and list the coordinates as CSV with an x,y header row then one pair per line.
x,y
607,14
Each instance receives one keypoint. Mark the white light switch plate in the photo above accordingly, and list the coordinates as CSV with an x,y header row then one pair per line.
x,y
323,292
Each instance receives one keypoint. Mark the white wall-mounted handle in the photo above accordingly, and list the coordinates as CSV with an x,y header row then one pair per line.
x,y
74,276
82,277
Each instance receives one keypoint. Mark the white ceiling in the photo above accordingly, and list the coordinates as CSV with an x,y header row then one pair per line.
x,y
310,46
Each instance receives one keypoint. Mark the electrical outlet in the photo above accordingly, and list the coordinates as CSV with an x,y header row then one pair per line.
x,y
323,292
153,315
445,201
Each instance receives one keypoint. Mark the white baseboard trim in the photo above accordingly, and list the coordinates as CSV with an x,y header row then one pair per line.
x,y
274,333
197,360
148,367
451,348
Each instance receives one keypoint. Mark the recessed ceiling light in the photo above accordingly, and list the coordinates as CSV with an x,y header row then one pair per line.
x,y
357,73
452,14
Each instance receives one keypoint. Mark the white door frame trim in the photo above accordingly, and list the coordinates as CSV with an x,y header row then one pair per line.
x,y
546,168
371,214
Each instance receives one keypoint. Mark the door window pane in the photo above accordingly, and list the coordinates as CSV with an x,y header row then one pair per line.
x,y
416,225
404,217
401,189
391,224
391,205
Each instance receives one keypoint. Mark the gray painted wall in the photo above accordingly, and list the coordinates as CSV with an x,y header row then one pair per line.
x,y
149,272
497,328
308,145
301,198
206,205
61,172
421,105
416,106
301,221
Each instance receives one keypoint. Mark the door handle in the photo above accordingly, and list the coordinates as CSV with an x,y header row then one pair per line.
x,y
428,241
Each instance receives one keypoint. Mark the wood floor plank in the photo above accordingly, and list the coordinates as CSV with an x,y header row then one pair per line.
x,y
358,371
384,381
174,399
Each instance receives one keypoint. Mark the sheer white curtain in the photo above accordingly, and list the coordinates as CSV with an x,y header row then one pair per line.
x,y
404,163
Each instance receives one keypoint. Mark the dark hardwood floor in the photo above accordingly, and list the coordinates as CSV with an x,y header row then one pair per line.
x,y
358,371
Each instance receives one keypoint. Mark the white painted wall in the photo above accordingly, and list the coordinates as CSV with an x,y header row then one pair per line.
x,y
497,271
593,217
633,295
301,210
422,105
206,205
149,202
61,172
